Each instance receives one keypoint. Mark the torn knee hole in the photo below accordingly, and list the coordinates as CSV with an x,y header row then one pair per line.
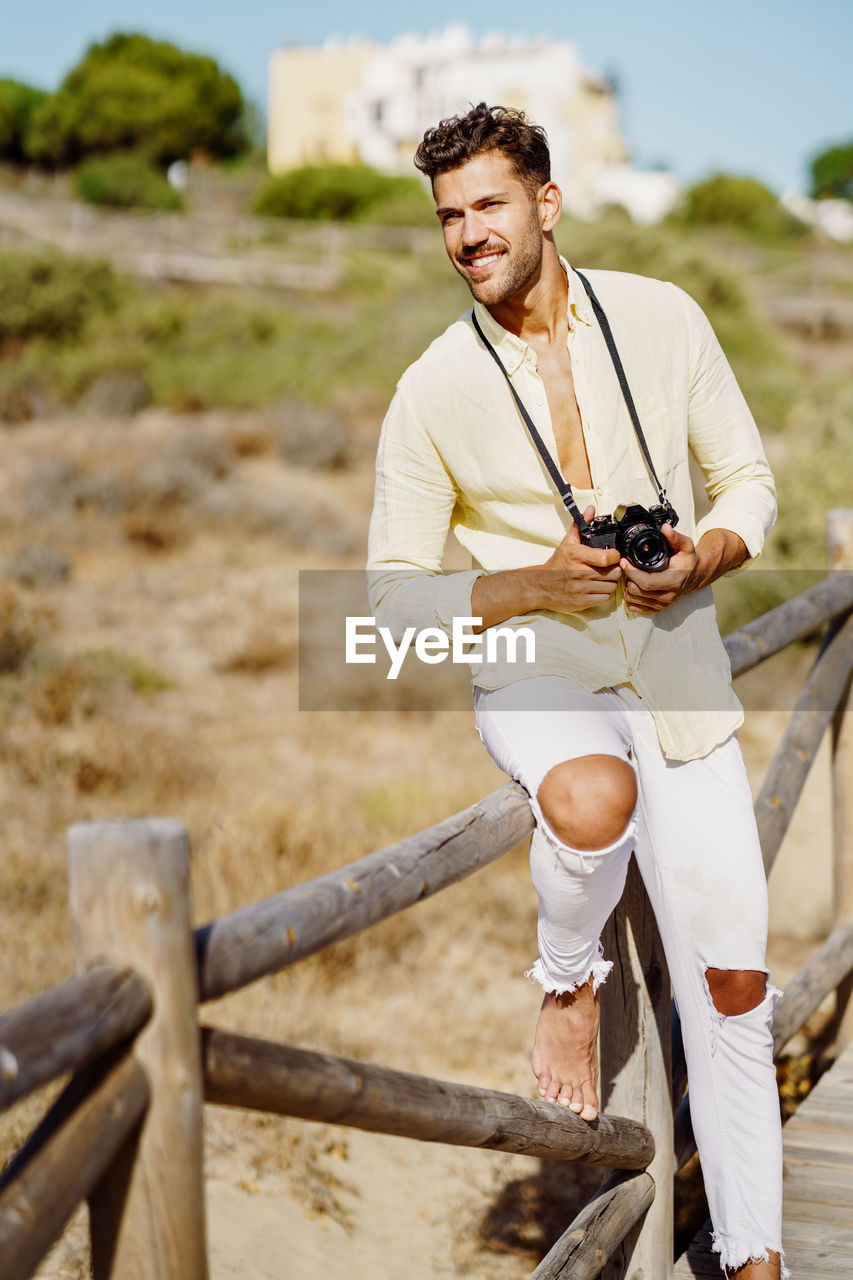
x,y
735,991
588,801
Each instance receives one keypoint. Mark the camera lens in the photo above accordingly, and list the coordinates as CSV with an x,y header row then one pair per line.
x,y
646,548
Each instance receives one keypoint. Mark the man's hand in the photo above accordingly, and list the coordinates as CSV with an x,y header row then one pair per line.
x,y
578,577
651,592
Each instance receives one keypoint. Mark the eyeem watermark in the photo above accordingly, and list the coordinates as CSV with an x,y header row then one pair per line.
x,y
432,645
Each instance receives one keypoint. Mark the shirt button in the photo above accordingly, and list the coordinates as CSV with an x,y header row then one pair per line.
x,y
599,490
540,401
630,671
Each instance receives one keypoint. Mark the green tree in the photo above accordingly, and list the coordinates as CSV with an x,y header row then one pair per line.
x,y
17,103
832,172
135,94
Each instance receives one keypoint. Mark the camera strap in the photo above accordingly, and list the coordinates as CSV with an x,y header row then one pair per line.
x,y
563,488
604,324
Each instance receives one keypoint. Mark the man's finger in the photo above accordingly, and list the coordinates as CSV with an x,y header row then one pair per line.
x,y
667,579
678,541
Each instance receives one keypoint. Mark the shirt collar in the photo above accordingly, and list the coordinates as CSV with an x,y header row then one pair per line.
x,y
510,348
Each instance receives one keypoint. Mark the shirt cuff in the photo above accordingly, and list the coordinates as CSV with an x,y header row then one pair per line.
x,y
454,597
746,525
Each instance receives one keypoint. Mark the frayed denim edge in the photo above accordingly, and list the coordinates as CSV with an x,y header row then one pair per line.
x,y
731,1258
598,972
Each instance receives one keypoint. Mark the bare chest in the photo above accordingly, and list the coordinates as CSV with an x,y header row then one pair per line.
x,y
555,370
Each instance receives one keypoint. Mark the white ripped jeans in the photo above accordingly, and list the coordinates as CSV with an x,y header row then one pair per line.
x,y
694,837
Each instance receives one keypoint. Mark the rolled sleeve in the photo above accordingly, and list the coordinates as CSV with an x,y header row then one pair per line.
x,y
725,442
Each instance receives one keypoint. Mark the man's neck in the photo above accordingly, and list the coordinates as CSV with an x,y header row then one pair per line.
x,y
538,311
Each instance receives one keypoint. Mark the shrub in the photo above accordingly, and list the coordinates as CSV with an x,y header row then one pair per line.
x,y
329,191
124,181
17,103
729,200
46,294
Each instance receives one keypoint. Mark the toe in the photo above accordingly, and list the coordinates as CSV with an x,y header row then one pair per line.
x,y
552,1092
564,1097
590,1103
577,1101
543,1082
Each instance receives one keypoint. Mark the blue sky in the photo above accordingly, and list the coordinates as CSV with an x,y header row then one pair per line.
x,y
750,86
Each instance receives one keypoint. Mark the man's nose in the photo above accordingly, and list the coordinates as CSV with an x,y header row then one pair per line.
x,y
474,229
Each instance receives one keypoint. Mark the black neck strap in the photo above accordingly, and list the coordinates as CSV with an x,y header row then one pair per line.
x,y
623,381
563,488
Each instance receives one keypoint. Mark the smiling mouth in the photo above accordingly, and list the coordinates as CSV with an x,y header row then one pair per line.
x,y
480,263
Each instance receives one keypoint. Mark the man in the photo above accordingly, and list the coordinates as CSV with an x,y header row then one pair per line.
x,y
624,733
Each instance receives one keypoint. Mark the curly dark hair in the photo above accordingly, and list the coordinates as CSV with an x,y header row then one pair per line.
x,y
482,129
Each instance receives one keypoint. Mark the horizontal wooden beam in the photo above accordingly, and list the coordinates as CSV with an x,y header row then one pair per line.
x,y
266,936
67,1026
808,722
816,978
598,1230
789,622
64,1161
243,1072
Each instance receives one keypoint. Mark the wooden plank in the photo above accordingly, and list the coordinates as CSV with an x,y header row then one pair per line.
x,y
599,1228
828,1184
789,622
636,1068
260,939
243,1072
813,1154
69,1025
800,1209
63,1163
129,885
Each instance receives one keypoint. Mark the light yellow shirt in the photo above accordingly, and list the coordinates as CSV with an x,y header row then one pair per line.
x,y
454,454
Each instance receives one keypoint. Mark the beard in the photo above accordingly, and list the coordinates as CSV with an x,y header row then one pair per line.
x,y
515,269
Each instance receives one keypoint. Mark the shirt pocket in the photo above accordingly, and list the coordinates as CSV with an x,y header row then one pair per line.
x,y
662,412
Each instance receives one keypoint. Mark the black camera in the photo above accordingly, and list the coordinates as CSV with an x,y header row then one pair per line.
x,y
636,535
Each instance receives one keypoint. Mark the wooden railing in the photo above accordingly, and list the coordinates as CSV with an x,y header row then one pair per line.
x,y
125,1134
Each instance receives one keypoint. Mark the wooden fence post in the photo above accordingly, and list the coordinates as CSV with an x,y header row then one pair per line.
x,y
129,886
636,1069
839,538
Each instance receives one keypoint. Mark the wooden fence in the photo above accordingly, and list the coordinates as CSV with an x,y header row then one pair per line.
x,y
126,1132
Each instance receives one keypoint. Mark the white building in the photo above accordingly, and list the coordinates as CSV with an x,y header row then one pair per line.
x,y
373,103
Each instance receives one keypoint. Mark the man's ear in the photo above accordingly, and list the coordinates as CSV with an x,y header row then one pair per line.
x,y
550,201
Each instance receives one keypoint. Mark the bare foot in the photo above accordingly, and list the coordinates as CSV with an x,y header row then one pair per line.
x,y
563,1058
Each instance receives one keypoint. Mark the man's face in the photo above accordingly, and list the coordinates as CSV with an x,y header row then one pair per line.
x,y
492,227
